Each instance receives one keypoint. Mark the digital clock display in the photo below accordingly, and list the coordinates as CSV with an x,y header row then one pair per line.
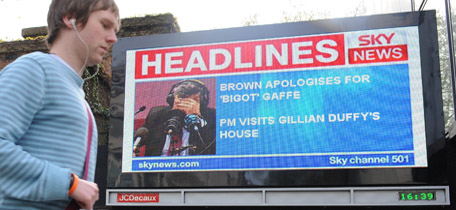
x,y
416,195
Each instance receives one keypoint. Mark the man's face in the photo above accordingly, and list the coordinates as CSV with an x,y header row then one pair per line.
x,y
100,34
194,97
189,105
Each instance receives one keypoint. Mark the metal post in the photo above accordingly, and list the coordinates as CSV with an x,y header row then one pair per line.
x,y
451,48
412,3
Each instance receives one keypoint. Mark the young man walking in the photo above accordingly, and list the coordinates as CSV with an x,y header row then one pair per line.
x,y
48,136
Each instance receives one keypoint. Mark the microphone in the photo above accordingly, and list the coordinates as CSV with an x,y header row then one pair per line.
x,y
140,110
140,134
192,122
174,123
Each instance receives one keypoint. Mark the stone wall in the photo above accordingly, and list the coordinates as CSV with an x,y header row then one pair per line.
x,y
9,51
34,38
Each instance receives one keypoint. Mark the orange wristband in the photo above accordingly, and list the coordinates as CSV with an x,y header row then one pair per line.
x,y
75,184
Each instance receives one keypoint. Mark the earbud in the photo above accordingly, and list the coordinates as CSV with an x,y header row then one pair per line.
x,y
73,23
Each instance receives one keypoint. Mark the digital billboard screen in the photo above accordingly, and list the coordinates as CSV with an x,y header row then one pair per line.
x,y
343,100
352,94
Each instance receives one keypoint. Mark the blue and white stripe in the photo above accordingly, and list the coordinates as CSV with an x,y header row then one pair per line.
x,y
43,132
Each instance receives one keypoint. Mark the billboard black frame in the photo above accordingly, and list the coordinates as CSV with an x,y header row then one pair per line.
x,y
434,174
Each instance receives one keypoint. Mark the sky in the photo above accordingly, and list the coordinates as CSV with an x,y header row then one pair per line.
x,y
196,15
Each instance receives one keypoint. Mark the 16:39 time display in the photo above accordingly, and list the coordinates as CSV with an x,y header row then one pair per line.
x,y
416,196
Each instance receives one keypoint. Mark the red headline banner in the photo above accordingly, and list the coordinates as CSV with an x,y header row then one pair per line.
x,y
276,54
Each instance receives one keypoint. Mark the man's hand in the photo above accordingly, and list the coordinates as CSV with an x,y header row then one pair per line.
x,y
188,105
86,194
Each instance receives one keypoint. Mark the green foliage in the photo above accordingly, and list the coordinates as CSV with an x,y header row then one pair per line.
x,y
252,20
92,90
303,16
445,69
358,11
315,15
36,38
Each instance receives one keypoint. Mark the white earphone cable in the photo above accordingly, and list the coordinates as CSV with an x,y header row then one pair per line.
x,y
87,55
